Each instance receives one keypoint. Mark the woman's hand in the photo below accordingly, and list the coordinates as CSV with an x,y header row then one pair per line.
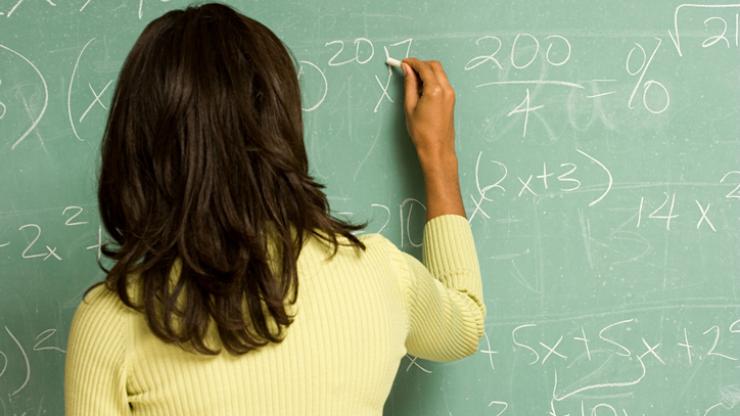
x,y
430,106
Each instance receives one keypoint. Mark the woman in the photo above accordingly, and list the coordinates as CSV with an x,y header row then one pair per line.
x,y
234,291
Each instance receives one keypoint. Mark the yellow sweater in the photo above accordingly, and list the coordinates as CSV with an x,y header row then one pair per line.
x,y
357,316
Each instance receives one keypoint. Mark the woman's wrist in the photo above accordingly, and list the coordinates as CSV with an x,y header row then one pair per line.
x,y
438,163
442,185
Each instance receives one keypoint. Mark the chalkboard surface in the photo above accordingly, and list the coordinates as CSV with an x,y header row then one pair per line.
x,y
599,147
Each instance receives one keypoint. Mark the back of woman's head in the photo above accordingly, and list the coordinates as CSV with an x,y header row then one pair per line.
x,y
204,168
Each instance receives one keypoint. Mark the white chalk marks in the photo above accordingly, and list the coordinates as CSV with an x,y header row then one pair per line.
x,y
639,72
41,113
69,90
675,35
324,88
3,107
610,179
563,179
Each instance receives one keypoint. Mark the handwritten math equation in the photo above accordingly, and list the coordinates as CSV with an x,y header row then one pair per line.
x,y
22,354
577,361
15,6
490,54
37,247
520,64
500,56
504,58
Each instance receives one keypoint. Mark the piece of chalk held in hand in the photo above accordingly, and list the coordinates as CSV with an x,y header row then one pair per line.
x,y
393,62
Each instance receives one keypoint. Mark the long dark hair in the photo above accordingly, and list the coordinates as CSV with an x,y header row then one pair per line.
x,y
205,177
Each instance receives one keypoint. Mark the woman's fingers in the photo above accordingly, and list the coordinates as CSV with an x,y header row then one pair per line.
x,y
411,88
429,108
441,76
433,79
425,72
422,68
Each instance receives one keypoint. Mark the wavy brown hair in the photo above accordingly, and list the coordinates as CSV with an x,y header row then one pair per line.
x,y
205,176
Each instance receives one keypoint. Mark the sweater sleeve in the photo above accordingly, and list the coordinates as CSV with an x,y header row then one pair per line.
x,y
95,366
444,294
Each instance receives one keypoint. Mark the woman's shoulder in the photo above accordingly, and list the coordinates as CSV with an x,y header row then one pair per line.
x,y
100,308
371,241
377,247
100,333
96,297
379,242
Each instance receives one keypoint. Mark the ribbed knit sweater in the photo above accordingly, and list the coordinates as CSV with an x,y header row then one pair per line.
x,y
358,314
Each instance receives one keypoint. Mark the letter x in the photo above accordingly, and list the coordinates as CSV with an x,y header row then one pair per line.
x,y
704,217
96,99
384,95
552,350
651,350
478,207
414,363
52,252
525,186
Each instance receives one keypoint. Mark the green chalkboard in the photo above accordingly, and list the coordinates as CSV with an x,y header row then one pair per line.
x,y
599,147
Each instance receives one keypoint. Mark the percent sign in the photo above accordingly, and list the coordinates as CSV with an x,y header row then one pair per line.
x,y
638,52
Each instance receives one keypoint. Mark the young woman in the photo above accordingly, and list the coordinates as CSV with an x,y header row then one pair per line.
x,y
234,291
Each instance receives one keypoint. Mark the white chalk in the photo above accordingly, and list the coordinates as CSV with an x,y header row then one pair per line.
x,y
393,62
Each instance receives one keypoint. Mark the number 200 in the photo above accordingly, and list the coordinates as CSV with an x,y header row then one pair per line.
x,y
521,40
